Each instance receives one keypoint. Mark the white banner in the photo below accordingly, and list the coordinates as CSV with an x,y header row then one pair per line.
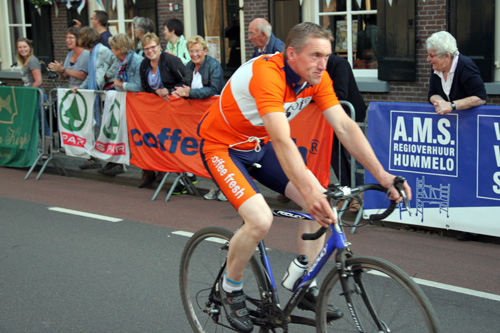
x,y
112,143
76,121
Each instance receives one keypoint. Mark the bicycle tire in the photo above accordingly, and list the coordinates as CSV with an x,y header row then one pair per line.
x,y
203,256
399,303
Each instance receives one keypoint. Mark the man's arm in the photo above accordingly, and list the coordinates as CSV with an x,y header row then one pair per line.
x,y
294,167
356,143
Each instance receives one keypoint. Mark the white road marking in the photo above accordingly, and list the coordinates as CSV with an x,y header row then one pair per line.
x,y
422,282
85,214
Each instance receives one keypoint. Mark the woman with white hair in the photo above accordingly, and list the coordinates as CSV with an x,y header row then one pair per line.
x,y
455,82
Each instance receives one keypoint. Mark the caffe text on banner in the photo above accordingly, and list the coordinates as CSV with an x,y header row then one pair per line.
x,y
163,135
75,120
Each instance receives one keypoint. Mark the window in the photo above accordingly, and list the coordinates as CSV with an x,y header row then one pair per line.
x,y
121,13
18,25
18,18
354,27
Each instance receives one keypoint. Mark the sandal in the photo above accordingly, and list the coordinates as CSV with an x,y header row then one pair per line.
x,y
354,206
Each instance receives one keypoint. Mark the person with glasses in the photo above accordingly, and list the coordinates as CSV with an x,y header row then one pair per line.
x,y
75,66
160,73
455,82
203,78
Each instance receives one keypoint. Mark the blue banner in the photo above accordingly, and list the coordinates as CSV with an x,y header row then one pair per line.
x,y
452,163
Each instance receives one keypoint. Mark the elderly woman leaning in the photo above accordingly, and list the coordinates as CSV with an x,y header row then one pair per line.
x,y
455,82
128,76
203,78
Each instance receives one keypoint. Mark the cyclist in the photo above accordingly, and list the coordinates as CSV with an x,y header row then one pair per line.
x,y
249,124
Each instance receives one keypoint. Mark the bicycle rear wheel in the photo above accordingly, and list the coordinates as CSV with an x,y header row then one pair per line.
x,y
202,260
382,297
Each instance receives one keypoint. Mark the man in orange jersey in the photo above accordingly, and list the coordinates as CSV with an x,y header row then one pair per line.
x,y
249,124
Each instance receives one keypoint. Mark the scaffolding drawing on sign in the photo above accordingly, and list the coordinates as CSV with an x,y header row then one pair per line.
x,y
429,195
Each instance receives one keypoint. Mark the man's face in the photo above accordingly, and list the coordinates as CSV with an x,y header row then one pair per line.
x,y
167,34
258,39
93,21
311,62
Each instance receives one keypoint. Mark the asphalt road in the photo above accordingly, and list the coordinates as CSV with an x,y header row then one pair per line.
x,y
61,272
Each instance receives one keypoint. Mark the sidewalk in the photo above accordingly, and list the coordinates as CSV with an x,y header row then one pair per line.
x,y
133,176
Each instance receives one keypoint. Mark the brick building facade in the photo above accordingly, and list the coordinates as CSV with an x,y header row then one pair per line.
x,y
430,16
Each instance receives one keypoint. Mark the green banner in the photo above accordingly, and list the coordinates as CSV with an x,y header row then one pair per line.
x,y
18,126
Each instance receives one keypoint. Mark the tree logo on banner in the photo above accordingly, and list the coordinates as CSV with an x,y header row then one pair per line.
x,y
8,109
110,130
71,118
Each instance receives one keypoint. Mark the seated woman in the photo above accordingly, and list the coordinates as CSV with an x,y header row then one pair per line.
x,y
203,78
160,73
32,77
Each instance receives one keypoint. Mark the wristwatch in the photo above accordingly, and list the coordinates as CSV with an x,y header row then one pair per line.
x,y
453,106
64,70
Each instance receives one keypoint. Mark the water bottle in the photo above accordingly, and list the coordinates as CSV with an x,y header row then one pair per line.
x,y
295,272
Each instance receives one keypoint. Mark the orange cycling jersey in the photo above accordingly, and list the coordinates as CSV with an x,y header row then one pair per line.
x,y
260,86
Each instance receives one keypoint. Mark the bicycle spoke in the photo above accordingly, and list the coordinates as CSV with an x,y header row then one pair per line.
x,y
382,299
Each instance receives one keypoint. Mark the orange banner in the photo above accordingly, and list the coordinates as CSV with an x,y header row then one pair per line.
x,y
163,137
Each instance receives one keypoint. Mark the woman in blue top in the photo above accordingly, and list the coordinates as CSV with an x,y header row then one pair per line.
x,y
455,82
128,75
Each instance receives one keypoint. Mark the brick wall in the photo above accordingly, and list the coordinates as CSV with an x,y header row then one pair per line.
x,y
253,10
430,17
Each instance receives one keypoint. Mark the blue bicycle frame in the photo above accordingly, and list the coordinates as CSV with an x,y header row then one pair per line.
x,y
335,241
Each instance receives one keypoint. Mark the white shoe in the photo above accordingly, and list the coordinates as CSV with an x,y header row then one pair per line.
x,y
221,196
212,194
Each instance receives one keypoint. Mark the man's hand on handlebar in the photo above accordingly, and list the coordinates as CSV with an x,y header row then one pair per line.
x,y
320,209
388,182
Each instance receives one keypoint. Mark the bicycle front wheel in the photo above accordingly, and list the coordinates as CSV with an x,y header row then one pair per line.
x,y
203,259
380,298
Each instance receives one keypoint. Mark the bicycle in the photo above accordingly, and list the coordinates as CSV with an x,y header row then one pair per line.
x,y
379,296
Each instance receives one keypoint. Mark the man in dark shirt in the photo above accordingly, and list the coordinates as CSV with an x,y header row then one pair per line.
x,y
99,21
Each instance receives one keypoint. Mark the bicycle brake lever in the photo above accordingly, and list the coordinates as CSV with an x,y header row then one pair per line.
x,y
398,184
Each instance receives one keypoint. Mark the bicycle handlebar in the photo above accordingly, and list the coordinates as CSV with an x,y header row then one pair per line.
x,y
337,193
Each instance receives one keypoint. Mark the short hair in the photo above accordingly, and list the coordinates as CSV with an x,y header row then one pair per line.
x,y
299,35
144,24
75,32
176,25
196,40
442,42
102,17
150,37
88,38
20,60
264,26
121,43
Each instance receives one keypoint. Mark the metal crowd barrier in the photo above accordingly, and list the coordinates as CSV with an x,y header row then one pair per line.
x,y
353,167
47,106
52,106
